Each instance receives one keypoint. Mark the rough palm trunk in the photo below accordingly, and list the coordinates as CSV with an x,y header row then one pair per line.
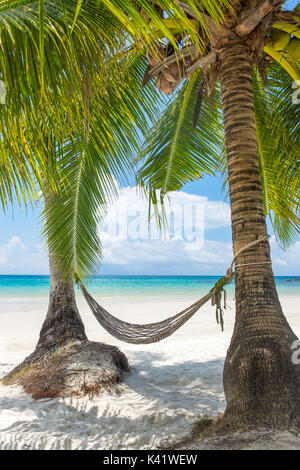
x,y
64,362
261,382
63,322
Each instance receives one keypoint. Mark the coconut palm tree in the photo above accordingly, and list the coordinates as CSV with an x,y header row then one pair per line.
x,y
225,52
67,116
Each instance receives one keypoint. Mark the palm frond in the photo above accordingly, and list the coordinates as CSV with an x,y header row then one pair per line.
x,y
71,217
174,152
93,163
33,110
277,119
145,24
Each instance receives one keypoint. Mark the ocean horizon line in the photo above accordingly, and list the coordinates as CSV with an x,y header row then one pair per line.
x,y
130,285
292,276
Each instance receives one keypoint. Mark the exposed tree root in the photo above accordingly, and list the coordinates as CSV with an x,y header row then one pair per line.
x,y
212,431
78,368
246,439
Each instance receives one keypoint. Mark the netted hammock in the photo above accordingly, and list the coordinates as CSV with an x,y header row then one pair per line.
x,y
154,332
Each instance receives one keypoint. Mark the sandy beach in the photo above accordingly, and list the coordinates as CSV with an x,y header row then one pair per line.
x,y
172,383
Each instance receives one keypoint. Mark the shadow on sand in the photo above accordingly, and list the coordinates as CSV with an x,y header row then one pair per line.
x,y
158,401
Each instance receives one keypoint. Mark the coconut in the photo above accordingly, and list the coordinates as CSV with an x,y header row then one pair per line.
x,y
172,72
164,85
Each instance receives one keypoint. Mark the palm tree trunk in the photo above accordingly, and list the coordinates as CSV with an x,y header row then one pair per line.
x,y
64,363
260,381
63,322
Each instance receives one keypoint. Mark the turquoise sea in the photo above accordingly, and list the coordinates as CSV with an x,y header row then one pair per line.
x,y
133,286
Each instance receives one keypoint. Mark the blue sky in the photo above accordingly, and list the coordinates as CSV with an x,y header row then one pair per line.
x,y
22,251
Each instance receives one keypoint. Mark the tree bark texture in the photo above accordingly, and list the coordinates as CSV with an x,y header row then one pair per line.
x,y
261,382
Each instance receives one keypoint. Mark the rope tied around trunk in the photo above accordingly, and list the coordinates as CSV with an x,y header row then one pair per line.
x,y
154,332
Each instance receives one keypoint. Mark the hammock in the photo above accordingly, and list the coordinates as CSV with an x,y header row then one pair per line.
x,y
154,332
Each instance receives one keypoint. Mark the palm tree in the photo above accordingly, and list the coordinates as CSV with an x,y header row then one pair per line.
x,y
226,53
71,137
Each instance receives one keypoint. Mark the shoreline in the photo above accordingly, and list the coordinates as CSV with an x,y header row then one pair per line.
x,y
132,298
131,287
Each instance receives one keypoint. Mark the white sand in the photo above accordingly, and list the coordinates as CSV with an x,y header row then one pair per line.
x,y
172,383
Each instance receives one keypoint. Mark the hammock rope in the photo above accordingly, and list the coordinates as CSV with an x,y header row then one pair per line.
x,y
154,332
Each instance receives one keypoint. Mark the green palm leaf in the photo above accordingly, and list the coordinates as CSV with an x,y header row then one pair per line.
x,y
129,15
174,152
278,131
92,164
33,111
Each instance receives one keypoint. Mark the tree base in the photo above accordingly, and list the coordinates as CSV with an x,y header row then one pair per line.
x,y
75,369
213,432
244,439
261,383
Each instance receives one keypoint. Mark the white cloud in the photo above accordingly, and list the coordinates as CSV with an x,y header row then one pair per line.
x,y
187,213
138,254
17,258
178,255
129,247
285,262
165,257
280,262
